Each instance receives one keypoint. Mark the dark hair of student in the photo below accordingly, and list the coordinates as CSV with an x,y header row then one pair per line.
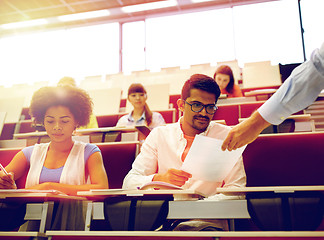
x,y
224,69
201,82
75,99
139,88
67,81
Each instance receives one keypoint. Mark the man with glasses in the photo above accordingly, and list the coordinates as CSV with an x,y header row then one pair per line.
x,y
166,147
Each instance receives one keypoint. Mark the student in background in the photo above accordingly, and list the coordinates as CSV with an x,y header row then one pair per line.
x,y
141,114
166,147
300,90
225,80
71,82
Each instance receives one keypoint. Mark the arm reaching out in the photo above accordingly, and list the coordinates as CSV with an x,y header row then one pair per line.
x,y
296,93
245,132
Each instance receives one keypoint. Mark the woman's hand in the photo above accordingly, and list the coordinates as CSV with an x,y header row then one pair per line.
x,y
7,182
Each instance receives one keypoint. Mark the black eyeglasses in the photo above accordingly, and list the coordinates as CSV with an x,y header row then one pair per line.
x,y
198,107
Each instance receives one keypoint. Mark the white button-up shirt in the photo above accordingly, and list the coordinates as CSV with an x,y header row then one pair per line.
x,y
162,150
300,90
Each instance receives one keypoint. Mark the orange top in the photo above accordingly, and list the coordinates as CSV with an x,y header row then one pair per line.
x,y
188,146
236,92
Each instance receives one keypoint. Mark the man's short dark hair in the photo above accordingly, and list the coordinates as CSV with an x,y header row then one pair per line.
x,y
201,82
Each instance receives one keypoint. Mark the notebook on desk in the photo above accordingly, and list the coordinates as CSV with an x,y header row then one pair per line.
x,y
157,185
144,129
178,194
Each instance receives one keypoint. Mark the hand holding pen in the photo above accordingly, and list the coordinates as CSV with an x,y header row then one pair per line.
x,y
6,179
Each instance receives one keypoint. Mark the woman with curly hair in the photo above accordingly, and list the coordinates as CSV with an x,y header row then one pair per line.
x,y
225,80
62,164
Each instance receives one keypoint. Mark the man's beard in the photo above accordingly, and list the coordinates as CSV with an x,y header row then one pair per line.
x,y
197,127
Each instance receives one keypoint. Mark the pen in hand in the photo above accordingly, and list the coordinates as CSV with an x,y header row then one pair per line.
x,y
5,172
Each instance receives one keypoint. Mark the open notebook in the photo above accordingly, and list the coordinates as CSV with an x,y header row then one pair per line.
x,y
156,185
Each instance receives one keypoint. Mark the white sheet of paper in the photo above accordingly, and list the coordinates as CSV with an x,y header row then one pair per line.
x,y
207,161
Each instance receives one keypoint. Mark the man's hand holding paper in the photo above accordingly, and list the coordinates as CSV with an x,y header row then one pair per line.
x,y
206,161
173,176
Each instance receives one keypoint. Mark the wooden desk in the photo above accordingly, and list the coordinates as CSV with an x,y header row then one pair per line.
x,y
296,123
276,189
100,194
106,134
201,209
40,203
289,208
95,210
236,100
22,235
261,94
180,235
32,137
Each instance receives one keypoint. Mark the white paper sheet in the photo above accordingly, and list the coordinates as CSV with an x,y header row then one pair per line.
x,y
207,161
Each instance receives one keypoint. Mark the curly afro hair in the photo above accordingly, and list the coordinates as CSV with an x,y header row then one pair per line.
x,y
75,99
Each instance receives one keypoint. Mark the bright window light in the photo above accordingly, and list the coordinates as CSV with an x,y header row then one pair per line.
x,y
149,6
84,15
23,24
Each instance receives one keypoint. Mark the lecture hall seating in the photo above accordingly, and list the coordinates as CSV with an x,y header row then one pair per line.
x,y
117,158
229,113
111,120
291,159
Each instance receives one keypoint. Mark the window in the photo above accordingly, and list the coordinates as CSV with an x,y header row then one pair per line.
x,y
133,47
313,19
188,39
268,31
48,56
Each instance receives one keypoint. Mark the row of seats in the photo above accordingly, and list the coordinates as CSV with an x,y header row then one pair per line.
x,y
117,157
231,113
271,160
293,159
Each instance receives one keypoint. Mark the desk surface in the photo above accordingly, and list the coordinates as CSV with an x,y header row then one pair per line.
x,y
191,234
106,129
279,189
103,193
260,92
22,234
80,131
25,194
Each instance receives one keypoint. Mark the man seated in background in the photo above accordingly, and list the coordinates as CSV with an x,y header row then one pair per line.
x,y
166,147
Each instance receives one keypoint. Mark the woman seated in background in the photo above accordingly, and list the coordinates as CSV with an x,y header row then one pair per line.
x,y
225,80
141,114
62,164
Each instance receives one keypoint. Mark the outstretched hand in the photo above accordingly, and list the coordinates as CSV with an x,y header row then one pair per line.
x,y
245,132
173,176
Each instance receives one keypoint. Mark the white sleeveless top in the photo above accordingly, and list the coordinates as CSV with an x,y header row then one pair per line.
x,y
73,171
